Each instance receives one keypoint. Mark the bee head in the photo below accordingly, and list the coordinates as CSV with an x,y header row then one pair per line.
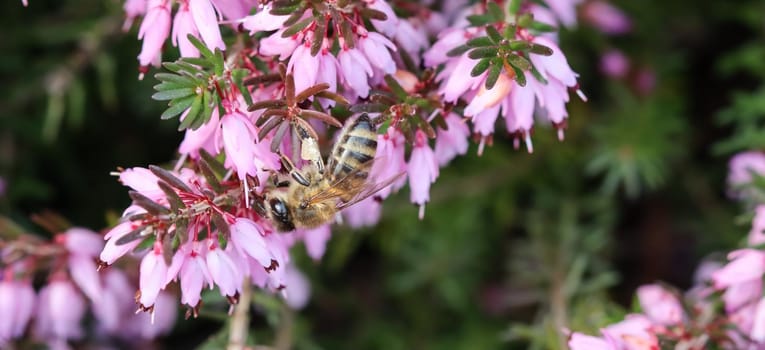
x,y
280,215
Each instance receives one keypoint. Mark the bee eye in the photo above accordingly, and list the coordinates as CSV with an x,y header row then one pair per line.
x,y
278,208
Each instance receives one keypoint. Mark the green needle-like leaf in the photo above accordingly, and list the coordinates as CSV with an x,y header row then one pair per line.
x,y
172,94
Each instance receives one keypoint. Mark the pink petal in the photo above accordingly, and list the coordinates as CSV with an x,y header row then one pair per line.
x,y
206,22
83,271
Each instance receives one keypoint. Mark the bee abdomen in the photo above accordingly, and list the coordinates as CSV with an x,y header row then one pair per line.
x,y
356,146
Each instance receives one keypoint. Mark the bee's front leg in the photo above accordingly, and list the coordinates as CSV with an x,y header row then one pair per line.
x,y
292,170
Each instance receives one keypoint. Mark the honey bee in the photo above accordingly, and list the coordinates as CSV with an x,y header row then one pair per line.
x,y
315,194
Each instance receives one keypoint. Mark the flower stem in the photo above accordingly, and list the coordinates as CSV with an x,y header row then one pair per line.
x,y
240,321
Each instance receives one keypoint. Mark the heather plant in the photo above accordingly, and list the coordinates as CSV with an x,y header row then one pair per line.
x,y
232,101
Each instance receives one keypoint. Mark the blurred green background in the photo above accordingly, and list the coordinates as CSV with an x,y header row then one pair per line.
x,y
513,247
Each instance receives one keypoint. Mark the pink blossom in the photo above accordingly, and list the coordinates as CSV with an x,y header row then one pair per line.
x,y
457,80
553,66
363,214
740,294
202,138
153,276
60,310
356,70
565,10
298,288
328,66
304,67
239,136
743,166
389,161
377,49
275,44
579,341
316,241
412,37
447,40
453,141
660,305
205,20
247,239
233,9
84,273
224,272
112,251
631,333
83,242
183,25
606,17
390,24
160,321
133,9
614,64
142,180
758,327
263,20
17,304
193,275
745,265
423,170
154,30
116,302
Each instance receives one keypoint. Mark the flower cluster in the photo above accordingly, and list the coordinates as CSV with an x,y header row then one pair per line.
x,y
55,313
259,109
695,321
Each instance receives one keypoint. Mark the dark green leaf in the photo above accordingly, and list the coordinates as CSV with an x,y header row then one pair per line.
x,y
518,61
198,61
459,50
520,76
479,20
514,6
194,110
525,20
520,45
395,87
175,78
285,11
172,94
493,75
483,52
151,206
480,67
295,28
238,75
203,49
494,34
168,177
495,11
479,42
214,164
541,50
542,27
178,106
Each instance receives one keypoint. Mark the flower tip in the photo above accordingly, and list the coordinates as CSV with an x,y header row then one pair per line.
x,y
529,145
421,215
561,135
25,3
581,95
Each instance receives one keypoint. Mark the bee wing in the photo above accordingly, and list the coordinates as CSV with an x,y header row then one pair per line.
x,y
370,189
348,183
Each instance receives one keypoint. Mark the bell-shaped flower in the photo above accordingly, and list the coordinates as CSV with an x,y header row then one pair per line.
x,y
614,64
579,341
82,241
202,138
59,311
133,9
247,238
224,272
159,322
661,306
113,251
142,180
298,289
84,273
423,171
206,22
233,9
154,30
304,67
377,49
389,25
183,25
356,70
116,302
239,136
744,166
263,20
193,275
606,17
17,304
363,214
316,240
153,276
565,10
389,161
745,265
452,141
275,44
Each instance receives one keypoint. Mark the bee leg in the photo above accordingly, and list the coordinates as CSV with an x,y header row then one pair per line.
x,y
258,204
290,167
309,146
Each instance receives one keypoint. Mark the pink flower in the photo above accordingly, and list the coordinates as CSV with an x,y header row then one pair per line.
x,y
423,171
389,25
247,239
614,64
565,10
389,161
457,80
17,304
153,276
205,20
133,9
275,44
263,20
59,311
143,181
304,66
363,214
83,242
758,328
84,273
112,251
233,9
183,25
660,305
202,138
116,301
160,321
553,66
413,38
356,70
743,166
224,272
377,49
316,241
447,40
745,265
154,30
632,333
579,341
239,136
606,17
193,275
741,294
298,288
452,141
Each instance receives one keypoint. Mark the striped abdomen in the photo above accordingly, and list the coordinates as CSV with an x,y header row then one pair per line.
x,y
355,147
